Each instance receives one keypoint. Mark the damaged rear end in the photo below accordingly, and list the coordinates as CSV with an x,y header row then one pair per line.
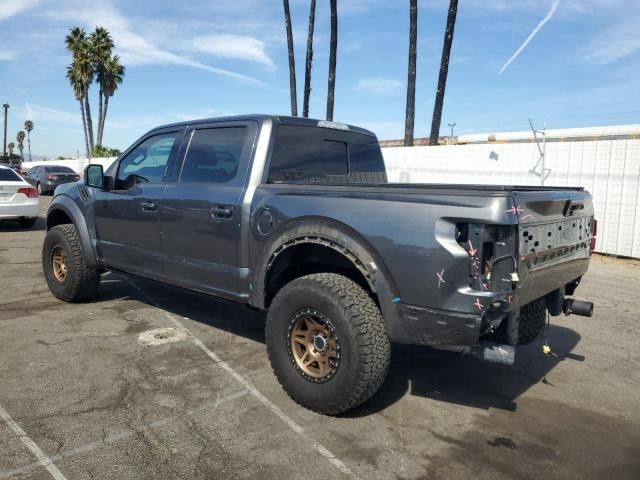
x,y
554,238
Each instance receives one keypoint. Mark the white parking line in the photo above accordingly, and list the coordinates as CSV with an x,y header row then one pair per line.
x,y
116,437
249,386
31,445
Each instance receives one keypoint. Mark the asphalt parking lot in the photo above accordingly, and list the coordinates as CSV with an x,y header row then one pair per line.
x,y
153,382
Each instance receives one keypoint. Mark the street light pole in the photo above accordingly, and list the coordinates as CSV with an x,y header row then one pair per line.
x,y
451,125
4,148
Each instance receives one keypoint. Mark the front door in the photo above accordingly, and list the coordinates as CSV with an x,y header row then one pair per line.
x,y
127,217
201,214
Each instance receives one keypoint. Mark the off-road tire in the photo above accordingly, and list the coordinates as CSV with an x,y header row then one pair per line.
x,y
27,222
365,349
533,317
81,282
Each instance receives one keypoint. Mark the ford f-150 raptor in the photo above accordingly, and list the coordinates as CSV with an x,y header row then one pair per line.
x,y
295,216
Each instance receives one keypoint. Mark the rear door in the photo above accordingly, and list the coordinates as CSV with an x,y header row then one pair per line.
x,y
201,211
127,217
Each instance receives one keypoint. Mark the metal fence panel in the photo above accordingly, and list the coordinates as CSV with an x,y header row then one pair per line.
x,y
609,169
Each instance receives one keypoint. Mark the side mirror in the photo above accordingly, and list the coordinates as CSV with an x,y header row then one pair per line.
x,y
94,176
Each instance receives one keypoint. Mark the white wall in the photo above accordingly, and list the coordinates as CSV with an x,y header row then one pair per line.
x,y
609,169
76,164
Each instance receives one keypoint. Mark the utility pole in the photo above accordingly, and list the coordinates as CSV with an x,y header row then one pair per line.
x,y
4,148
451,125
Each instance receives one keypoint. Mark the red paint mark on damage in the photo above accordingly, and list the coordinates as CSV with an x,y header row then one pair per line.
x,y
472,251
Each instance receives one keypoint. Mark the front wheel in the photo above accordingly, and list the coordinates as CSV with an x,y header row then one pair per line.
x,y
65,270
327,343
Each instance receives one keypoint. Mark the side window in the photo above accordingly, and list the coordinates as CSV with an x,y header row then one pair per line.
x,y
308,154
214,155
147,162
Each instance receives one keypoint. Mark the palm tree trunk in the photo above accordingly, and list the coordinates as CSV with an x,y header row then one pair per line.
x,y
292,60
84,127
411,75
87,112
104,113
99,139
309,62
444,71
333,46
29,144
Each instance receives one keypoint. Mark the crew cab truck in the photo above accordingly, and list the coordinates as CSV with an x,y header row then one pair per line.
x,y
295,216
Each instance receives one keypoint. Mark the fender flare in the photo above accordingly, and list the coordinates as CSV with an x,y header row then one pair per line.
x,y
71,209
343,239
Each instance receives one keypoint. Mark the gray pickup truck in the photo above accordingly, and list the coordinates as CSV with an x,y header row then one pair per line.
x,y
295,216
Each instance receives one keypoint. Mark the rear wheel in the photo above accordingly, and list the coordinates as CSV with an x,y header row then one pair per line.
x,y
39,189
327,343
65,270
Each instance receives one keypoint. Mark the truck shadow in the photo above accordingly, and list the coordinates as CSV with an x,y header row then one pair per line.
x,y
418,371
454,378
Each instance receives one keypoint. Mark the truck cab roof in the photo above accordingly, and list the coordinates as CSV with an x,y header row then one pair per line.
x,y
277,119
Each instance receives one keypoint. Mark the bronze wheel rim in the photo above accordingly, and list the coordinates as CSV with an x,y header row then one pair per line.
x,y
59,264
314,347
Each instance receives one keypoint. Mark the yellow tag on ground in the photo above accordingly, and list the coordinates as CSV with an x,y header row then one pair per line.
x,y
546,349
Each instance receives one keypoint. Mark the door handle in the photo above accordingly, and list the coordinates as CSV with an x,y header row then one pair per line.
x,y
149,206
222,211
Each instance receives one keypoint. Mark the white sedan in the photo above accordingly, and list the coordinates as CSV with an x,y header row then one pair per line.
x,y
18,199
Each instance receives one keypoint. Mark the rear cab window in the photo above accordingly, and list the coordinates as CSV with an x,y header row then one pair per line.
x,y
310,154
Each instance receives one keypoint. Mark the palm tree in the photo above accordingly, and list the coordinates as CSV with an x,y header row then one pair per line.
x,y
333,46
78,89
112,78
444,70
411,75
101,48
20,139
292,60
309,62
28,126
82,52
10,147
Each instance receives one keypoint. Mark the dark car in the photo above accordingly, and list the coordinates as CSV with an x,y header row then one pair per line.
x,y
47,177
296,216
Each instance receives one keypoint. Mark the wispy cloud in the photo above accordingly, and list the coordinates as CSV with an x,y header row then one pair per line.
x,y
227,45
533,33
45,114
132,46
7,56
9,8
379,86
619,40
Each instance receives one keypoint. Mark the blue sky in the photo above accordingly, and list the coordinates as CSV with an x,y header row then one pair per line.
x,y
205,58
